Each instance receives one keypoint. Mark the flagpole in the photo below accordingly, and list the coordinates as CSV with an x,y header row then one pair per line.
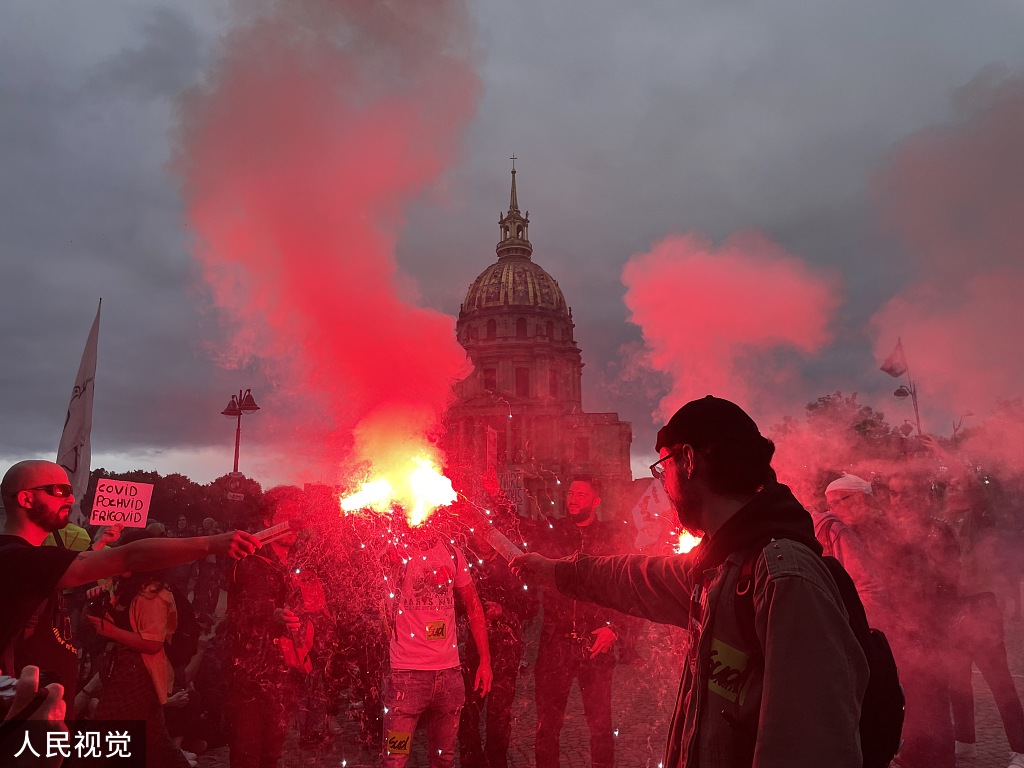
x,y
896,366
913,390
913,399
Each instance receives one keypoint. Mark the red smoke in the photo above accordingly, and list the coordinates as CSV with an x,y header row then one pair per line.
x,y
954,196
721,320
319,123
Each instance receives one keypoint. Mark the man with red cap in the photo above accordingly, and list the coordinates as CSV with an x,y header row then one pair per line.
x,y
787,693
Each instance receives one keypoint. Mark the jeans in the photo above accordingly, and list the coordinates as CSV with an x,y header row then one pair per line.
x,y
411,693
558,663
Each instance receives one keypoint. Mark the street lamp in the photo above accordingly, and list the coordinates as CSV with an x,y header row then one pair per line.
x,y
237,407
903,392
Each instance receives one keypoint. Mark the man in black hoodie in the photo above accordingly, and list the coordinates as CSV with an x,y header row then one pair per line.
x,y
786,686
577,638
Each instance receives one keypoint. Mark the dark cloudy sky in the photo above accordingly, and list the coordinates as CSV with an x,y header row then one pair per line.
x,y
632,122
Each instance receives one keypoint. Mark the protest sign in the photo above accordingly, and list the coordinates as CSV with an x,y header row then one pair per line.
x,y
120,501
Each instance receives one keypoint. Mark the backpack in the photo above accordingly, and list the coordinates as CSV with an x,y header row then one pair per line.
x,y
184,642
882,711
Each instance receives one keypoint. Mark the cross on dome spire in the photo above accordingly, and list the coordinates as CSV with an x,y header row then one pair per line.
x,y
513,203
513,227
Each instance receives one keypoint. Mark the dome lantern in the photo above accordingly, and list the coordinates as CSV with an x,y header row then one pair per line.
x,y
514,227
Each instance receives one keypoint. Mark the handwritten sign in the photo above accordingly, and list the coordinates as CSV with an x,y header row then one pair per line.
x,y
119,501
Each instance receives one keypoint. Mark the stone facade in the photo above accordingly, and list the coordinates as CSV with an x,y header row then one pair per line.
x,y
519,416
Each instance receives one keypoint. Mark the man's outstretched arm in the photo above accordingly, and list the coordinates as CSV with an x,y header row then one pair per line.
x,y
154,554
653,588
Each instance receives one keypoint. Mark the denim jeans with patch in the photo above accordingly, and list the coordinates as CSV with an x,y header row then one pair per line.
x,y
437,696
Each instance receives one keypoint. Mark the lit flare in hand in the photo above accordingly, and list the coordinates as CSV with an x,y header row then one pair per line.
x,y
687,541
418,487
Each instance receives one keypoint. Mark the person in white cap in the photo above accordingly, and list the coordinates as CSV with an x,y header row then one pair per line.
x,y
844,532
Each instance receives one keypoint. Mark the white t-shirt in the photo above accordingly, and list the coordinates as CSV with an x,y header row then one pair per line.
x,y
424,619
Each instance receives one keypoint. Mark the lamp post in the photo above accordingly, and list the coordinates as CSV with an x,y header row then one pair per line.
x,y
238,406
903,392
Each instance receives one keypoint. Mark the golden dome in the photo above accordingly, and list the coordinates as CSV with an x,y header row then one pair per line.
x,y
515,282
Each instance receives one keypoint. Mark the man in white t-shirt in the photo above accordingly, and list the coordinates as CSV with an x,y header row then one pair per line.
x,y
425,676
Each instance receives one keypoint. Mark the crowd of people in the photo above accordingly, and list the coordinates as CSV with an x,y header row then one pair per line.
x,y
420,632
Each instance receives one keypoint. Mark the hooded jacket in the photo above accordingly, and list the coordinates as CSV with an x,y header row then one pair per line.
x,y
795,699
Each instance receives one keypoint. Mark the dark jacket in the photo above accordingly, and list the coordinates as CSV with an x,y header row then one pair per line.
x,y
794,700
563,615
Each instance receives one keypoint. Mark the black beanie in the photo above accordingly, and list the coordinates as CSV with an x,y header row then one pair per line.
x,y
707,422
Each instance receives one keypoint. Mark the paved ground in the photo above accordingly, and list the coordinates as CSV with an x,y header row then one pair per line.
x,y
643,697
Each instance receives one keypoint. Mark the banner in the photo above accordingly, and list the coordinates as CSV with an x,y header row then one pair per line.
x,y
75,450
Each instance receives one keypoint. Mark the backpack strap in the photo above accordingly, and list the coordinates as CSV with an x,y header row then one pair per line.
x,y
823,531
745,594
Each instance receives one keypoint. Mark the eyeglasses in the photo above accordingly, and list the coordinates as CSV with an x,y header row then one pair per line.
x,y
60,490
835,502
657,470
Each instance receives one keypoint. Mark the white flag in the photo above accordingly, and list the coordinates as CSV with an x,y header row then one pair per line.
x,y
75,451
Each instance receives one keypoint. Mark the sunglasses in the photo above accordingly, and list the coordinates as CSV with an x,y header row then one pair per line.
x,y
657,470
60,490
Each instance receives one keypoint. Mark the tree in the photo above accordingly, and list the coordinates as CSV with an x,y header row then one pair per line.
x,y
176,494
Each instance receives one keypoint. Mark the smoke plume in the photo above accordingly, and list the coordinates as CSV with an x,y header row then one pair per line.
x,y
320,122
727,321
954,197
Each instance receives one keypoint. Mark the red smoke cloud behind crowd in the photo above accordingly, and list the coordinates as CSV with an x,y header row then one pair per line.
x,y
319,122
722,319
954,197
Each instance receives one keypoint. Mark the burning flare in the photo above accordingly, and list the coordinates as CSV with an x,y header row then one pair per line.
x,y
416,485
687,541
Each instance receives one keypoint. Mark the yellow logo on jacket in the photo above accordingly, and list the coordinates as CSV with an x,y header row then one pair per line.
x,y
728,670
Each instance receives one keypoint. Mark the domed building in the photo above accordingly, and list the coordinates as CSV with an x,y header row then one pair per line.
x,y
519,414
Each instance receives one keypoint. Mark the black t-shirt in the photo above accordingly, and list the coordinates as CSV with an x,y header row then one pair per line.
x,y
33,618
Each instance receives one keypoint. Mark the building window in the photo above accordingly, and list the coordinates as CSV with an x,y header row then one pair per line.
x,y
549,330
553,383
519,232
490,380
522,382
521,328
581,449
492,329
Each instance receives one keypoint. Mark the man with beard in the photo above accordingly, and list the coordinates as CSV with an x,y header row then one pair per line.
x,y
576,639
789,692
36,627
